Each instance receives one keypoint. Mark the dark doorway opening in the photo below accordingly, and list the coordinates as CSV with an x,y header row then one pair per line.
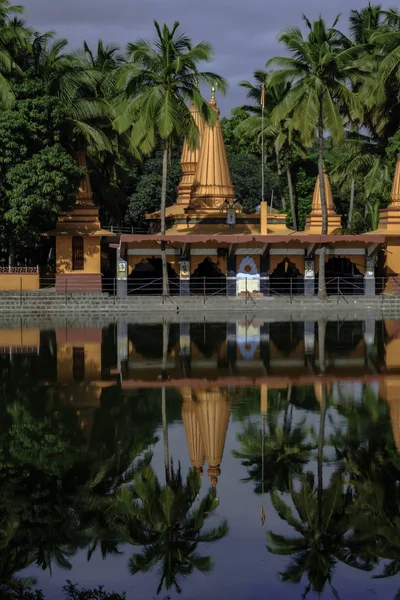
x,y
286,279
208,279
146,278
343,277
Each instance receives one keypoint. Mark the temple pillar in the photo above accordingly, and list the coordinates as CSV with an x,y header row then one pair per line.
x,y
369,335
122,344
369,276
264,274
122,275
309,277
231,275
184,339
309,337
184,276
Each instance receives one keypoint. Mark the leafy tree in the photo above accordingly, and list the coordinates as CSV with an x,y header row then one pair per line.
x,y
246,176
38,177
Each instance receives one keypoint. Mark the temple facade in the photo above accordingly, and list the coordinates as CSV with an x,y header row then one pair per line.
x,y
213,247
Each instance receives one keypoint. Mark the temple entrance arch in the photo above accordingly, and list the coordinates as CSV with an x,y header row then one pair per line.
x,y
208,278
247,276
286,278
343,276
146,278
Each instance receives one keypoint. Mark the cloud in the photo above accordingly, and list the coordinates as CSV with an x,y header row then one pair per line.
x,y
243,33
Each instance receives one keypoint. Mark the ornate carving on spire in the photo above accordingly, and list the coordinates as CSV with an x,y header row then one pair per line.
x,y
212,183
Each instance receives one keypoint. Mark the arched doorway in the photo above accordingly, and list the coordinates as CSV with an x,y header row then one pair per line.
x,y
247,277
286,279
342,275
146,278
207,278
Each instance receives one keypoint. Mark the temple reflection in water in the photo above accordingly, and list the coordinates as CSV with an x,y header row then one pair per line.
x,y
207,362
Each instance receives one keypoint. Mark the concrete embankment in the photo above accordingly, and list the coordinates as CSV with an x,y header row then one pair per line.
x,y
85,308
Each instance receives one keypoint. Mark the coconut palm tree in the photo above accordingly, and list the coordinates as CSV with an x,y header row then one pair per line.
x,y
163,520
319,68
324,526
273,459
13,37
157,83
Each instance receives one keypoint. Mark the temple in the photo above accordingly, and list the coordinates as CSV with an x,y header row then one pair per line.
x,y
213,247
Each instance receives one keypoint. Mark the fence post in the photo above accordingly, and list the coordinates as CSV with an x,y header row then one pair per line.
x,y
204,289
291,289
66,301
115,288
20,291
338,288
245,288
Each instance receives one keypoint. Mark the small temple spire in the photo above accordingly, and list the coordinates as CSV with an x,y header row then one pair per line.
x,y
212,183
84,194
314,219
316,207
395,194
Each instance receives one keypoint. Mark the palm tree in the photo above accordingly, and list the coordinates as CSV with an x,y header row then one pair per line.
x,y
13,37
164,521
156,85
274,458
319,68
324,524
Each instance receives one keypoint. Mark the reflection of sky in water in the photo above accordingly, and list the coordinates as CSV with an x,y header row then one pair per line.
x,y
243,568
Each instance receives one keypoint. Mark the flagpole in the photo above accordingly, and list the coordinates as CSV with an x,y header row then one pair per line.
x,y
262,142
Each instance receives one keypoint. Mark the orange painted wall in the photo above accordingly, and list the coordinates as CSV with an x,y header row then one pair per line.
x,y
296,259
20,337
14,282
91,247
92,362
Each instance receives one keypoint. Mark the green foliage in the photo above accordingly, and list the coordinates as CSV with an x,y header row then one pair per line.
x,y
38,176
246,177
146,197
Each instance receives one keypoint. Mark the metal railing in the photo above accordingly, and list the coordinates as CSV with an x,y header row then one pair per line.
x,y
206,287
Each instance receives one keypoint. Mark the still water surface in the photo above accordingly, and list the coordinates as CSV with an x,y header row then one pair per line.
x,y
241,460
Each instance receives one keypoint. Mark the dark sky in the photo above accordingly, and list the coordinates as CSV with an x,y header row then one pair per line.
x,y
243,32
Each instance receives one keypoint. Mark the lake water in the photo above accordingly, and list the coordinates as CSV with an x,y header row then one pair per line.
x,y
219,460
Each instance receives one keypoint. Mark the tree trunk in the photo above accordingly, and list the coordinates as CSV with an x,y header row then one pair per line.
x,y
321,435
278,167
164,400
165,287
321,443
351,205
291,194
11,255
321,271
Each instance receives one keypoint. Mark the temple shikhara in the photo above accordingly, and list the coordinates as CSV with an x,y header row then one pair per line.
x,y
213,247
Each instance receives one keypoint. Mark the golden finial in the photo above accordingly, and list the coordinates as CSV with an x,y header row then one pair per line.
x,y
213,93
